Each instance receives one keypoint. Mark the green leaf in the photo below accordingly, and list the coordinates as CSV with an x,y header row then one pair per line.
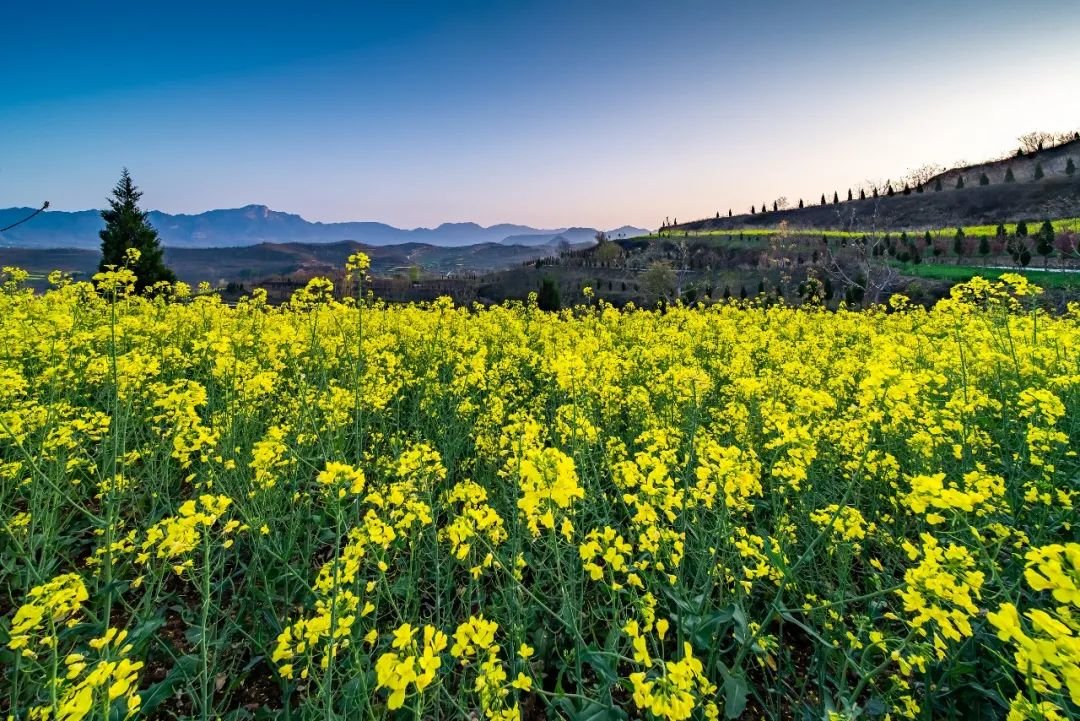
x,y
876,707
742,628
602,663
588,710
735,693
145,631
186,667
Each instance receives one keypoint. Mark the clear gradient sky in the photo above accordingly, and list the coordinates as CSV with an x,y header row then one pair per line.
x,y
553,113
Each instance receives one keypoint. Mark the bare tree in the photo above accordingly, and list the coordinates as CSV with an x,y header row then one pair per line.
x,y
1041,140
861,263
780,255
607,251
872,185
923,173
781,203
661,280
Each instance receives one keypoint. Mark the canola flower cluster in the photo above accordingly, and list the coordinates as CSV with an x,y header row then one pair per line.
x,y
336,508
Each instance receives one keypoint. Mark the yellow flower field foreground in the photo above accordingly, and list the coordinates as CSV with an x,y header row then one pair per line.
x,y
338,510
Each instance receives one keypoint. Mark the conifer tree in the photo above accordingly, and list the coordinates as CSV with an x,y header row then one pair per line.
x,y
937,185
849,196
1070,167
800,202
959,245
126,228
907,189
984,179
984,247
548,297
1021,229
889,190
823,198
959,182
1038,171
835,198
1045,242
752,211
862,194
1009,177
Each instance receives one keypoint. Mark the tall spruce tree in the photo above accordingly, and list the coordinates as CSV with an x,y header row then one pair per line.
x,y
1009,177
126,227
1038,171
1070,167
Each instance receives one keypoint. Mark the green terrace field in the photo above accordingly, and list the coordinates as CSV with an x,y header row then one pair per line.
x,y
964,273
1062,225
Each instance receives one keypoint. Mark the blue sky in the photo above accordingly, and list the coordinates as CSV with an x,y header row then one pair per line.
x,y
547,113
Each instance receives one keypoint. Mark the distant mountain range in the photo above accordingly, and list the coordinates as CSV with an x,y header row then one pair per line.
x,y
255,224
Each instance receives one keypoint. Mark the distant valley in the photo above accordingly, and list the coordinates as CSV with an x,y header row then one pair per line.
x,y
252,263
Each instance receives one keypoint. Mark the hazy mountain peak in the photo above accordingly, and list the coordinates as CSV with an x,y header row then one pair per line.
x,y
256,223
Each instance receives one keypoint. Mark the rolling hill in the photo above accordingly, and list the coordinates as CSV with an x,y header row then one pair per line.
x,y
940,203
246,264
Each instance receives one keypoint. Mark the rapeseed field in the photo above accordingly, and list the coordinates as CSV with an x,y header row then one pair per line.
x,y
342,509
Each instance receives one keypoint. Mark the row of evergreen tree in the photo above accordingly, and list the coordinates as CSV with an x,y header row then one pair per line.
x,y
908,189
